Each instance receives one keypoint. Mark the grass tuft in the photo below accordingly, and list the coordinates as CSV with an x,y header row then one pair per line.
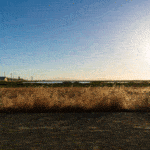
x,y
75,99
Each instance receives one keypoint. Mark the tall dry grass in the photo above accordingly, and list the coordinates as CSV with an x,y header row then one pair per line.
x,y
75,98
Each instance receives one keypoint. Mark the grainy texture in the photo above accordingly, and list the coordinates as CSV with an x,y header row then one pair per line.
x,y
79,98
80,131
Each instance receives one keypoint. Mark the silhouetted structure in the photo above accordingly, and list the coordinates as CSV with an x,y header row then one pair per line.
x,y
3,79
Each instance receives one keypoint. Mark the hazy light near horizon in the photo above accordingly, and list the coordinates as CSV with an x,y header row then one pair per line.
x,y
79,40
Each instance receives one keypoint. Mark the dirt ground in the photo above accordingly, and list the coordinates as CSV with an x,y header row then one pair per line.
x,y
80,131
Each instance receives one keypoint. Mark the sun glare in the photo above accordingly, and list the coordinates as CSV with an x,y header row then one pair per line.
x,y
147,53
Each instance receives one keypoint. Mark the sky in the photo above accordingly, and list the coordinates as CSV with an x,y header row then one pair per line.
x,y
75,39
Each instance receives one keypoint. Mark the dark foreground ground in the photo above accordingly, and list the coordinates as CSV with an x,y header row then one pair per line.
x,y
80,131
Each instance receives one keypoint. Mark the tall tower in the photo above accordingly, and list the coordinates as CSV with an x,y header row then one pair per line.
x,y
18,77
11,76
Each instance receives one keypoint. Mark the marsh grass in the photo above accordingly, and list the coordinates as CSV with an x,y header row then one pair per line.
x,y
75,99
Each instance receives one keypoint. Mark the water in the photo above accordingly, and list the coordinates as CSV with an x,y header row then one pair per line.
x,y
83,82
53,82
50,82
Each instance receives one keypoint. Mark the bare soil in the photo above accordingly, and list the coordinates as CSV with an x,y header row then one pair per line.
x,y
80,131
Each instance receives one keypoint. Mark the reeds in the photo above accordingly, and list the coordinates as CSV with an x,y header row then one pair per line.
x,y
75,99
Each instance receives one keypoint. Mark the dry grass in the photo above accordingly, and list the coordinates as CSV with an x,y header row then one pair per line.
x,y
75,98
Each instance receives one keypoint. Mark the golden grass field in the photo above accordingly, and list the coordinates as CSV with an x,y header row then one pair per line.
x,y
86,98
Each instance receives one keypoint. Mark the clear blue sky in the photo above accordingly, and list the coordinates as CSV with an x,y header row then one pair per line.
x,y
75,39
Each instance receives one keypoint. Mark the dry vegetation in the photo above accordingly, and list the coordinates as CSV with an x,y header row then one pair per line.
x,y
75,99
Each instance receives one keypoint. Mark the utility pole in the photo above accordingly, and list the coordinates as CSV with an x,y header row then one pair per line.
x,y
18,77
11,76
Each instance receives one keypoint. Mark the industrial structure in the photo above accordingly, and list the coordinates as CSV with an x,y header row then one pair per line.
x,y
3,79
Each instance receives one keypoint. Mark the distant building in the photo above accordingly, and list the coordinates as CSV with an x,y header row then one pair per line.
x,y
3,79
